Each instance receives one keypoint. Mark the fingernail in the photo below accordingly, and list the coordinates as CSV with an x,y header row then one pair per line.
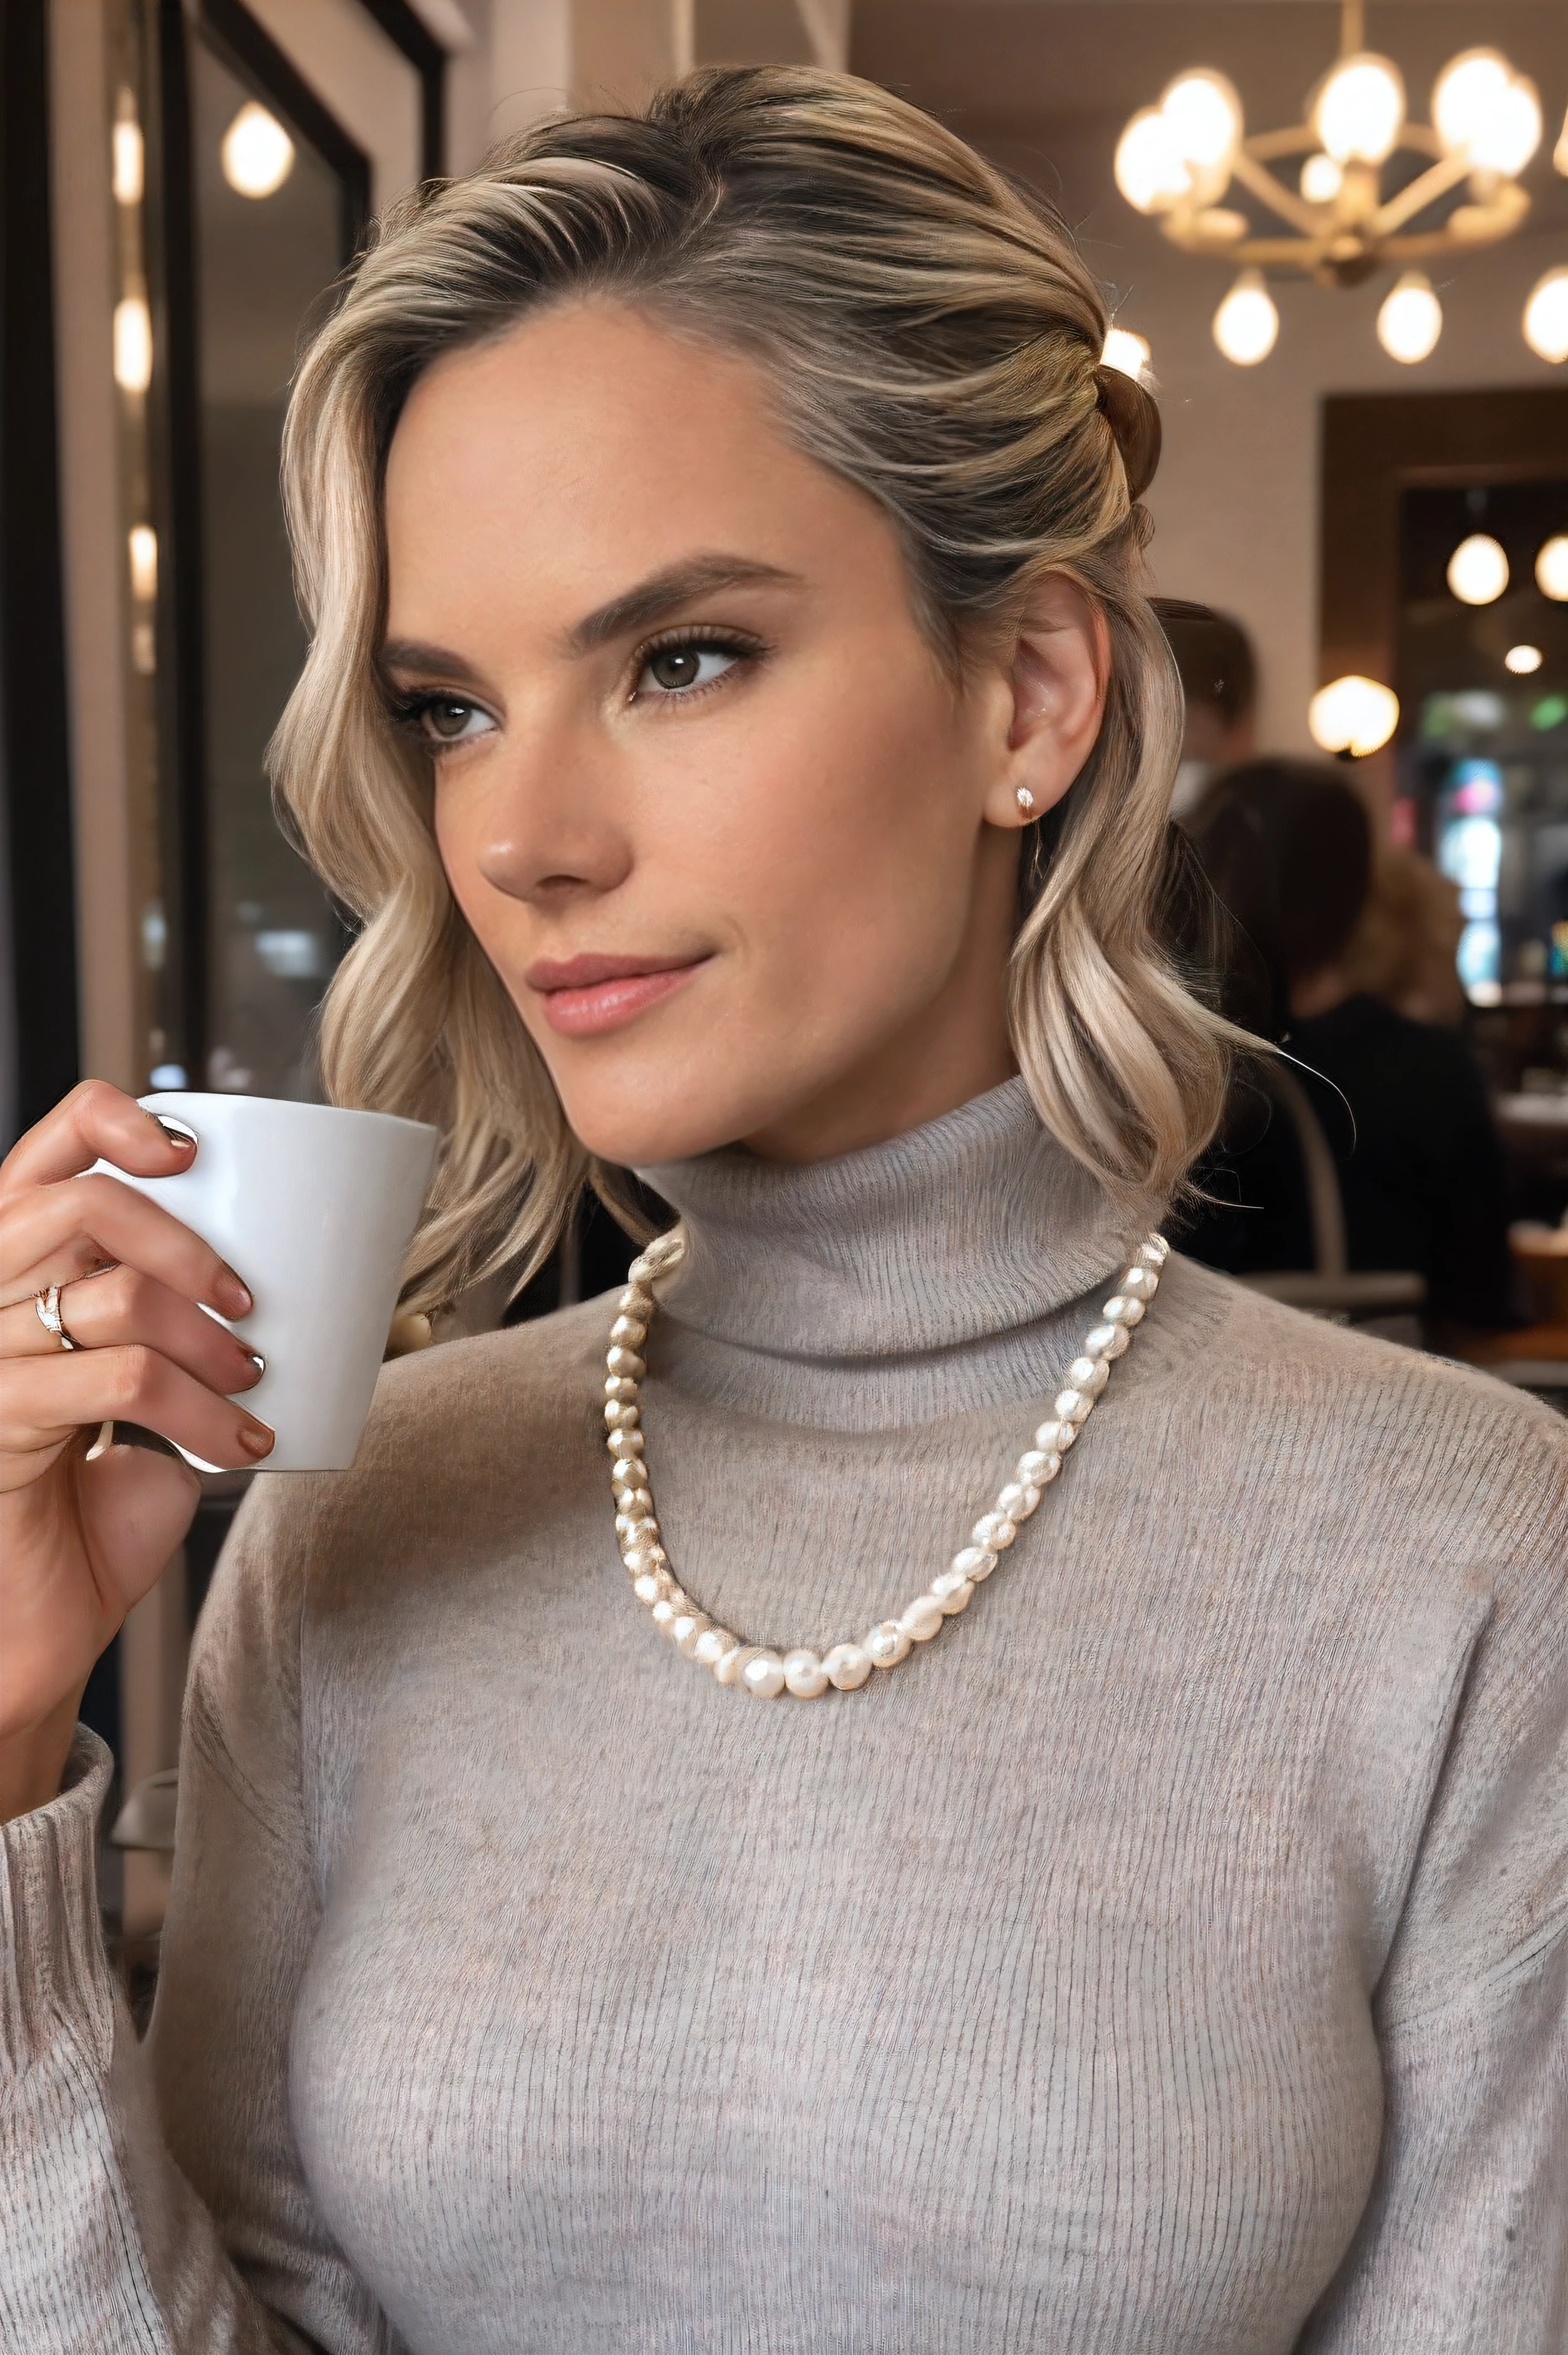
x,y
256,1440
231,1297
180,1138
258,1360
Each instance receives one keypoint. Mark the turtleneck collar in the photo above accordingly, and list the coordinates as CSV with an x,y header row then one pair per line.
x,y
950,1250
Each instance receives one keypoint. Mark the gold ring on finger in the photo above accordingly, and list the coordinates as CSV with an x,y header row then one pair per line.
x,y
47,1305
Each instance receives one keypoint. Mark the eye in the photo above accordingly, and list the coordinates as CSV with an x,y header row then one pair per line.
x,y
446,720
686,667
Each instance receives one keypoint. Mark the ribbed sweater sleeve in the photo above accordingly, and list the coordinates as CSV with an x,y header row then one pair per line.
x,y
133,2221
1464,2244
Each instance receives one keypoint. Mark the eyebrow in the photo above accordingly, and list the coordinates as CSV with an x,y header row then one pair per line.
x,y
634,609
664,593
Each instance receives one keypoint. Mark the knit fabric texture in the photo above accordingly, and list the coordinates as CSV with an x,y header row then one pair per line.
x,y
1171,1958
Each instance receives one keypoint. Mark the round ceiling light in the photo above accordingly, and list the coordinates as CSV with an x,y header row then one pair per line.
x,y
1485,111
1126,353
1411,319
1206,118
1247,324
1359,111
1546,315
1522,660
1552,568
1478,569
1322,179
257,154
1352,715
1149,169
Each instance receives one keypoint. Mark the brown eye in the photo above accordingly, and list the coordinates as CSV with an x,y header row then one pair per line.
x,y
675,667
447,719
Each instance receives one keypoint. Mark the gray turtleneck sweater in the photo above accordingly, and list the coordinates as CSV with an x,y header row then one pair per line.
x,y
1171,1959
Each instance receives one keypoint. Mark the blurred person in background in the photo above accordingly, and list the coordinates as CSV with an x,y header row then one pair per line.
x,y
1219,687
1318,924
1403,948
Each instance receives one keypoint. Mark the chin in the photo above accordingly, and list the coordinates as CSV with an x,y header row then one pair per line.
x,y
645,1121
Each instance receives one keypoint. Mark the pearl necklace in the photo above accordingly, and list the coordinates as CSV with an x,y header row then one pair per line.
x,y
803,1672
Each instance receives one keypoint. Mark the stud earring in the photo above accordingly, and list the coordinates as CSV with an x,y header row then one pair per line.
x,y
1025,800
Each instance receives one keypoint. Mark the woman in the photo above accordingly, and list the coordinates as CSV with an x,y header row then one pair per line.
x,y
723,550
1289,849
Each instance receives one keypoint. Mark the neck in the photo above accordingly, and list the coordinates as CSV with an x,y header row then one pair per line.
x,y
954,1048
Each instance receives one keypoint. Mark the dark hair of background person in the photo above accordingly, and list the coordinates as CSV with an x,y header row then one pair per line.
x,y
1288,847
1213,654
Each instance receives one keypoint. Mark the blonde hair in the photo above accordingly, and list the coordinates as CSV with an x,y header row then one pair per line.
x,y
929,333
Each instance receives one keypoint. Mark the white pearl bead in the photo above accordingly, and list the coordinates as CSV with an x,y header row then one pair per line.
x,y
630,1331
652,1584
1123,1310
625,1443
1155,1249
974,1563
804,1674
622,1386
729,1664
763,1675
711,1645
952,1590
1031,1472
1105,1341
886,1644
625,1362
848,1666
1140,1283
636,1301
1072,1406
666,1608
1055,1438
921,1618
1018,1500
994,1531
619,1418
641,1557
684,1631
1090,1374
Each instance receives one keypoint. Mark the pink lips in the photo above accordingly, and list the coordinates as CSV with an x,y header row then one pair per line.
x,y
586,996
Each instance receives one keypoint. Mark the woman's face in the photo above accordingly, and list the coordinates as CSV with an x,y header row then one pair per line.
x,y
742,851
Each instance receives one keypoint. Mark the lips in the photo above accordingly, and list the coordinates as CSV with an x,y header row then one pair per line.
x,y
584,996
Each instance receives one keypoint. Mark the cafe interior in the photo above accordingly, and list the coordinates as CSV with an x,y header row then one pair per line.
x,y
1335,242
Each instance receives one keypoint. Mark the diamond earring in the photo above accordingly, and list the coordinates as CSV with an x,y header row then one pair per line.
x,y
1025,800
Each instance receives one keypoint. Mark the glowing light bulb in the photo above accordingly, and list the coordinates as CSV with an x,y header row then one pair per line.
x,y
132,345
1478,569
1359,111
1206,118
143,547
1522,660
129,166
1151,171
1552,568
257,154
1322,179
1247,324
1126,352
1352,715
1409,320
1546,315
1559,152
1483,110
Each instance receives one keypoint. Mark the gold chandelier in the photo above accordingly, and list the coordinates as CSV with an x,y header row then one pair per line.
x,y
1180,158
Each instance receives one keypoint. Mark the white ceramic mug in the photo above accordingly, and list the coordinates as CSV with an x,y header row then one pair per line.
x,y
314,1207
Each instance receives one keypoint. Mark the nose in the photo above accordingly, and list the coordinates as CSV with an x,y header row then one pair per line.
x,y
549,829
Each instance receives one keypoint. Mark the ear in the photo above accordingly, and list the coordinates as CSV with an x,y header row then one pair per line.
x,y
1057,679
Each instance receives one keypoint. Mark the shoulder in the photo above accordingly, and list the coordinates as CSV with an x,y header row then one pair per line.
x,y
1294,1405
466,1445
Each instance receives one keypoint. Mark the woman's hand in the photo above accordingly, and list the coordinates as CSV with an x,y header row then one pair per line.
x,y
82,1538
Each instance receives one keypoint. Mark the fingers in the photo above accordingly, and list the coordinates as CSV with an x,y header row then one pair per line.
x,y
59,1233
95,1122
45,1401
121,1306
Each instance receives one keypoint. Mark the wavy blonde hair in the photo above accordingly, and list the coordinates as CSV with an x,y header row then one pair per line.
x,y
929,333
